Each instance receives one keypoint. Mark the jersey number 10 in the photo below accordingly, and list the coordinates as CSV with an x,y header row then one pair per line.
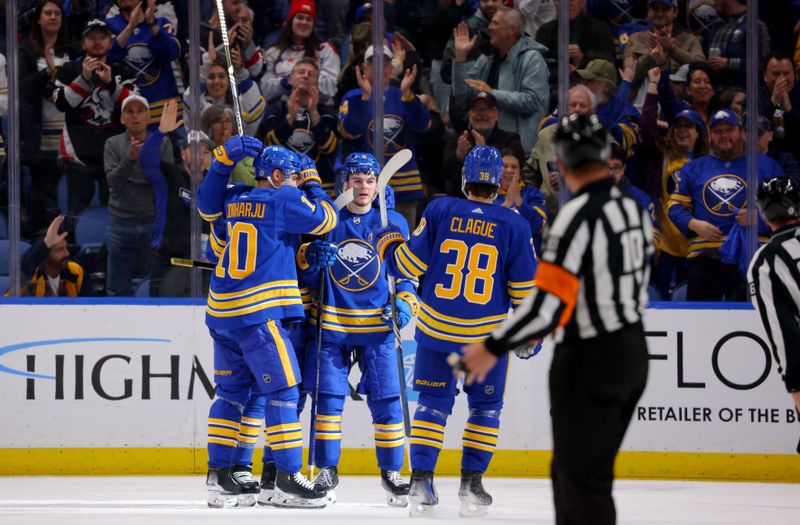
x,y
238,232
480,262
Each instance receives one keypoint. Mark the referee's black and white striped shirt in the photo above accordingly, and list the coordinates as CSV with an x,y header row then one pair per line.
x,y
593,275
774,282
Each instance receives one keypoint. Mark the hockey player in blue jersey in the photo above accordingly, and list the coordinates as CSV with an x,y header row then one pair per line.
x,y
253,292
357,330
478,261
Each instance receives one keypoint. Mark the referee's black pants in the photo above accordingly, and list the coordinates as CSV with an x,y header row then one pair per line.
x,y
595,385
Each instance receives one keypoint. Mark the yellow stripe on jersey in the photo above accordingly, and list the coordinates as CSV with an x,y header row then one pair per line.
x,y
255,308
330,221
286,362
284,292
254,289
210,217
407,262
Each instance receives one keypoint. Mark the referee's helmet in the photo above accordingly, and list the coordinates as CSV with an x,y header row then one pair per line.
x,y
779,197
580,140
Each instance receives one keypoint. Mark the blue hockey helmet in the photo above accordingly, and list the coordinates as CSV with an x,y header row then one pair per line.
x,y
482,165
360,163
276,157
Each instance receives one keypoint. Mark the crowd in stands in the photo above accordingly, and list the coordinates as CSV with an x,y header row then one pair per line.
x,y
104,103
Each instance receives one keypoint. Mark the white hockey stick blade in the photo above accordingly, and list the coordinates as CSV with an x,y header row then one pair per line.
x,y
390,168
345,198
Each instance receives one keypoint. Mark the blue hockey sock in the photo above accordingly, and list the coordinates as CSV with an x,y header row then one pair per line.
x,y
387,418
252,419
224,418
328,425
480,439
283,429
427,430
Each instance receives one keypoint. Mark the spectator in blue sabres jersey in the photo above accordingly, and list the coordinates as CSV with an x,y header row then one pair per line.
x,y
478,262
356,321
524,199
708,201
253,291
147,45
299,122
403,112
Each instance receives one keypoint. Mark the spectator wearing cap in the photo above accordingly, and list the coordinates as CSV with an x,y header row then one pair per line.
x,y
726,46
586,35
664,44
482,131
172,187
216,89
617,162
515,74
539,169
131,206
618,115
90,92
147,45
403,112
298,40
661,157
299,122
709,200
779,101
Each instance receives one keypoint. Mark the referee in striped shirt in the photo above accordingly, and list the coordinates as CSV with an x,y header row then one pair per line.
x,y
774,278
591,289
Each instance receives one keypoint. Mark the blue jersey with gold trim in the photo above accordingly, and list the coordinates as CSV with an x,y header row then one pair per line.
x,y
256,277
478,261
356,286
712,190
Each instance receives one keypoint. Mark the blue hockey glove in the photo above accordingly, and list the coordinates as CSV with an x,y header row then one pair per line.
x,y
237,148
309,176
388,236
404,313
528,350
321,254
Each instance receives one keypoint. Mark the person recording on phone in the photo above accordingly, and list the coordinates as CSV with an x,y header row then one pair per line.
x,y
46,268
482,131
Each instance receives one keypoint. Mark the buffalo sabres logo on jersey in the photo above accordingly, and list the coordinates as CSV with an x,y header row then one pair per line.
x,y
724,193
394,137
357,265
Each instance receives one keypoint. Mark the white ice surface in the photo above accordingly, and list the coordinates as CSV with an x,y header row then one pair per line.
x,y
181,500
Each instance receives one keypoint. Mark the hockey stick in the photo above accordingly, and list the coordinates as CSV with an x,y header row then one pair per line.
x,y
390,168
341,201
223,26
190,263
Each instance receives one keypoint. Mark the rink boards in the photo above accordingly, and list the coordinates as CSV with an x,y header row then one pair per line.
x,y
113,388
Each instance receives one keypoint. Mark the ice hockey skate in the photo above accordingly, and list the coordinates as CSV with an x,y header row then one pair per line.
x,y
243,476
396,488
474,499
268,474
295,491
327,480
223,491
422,494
